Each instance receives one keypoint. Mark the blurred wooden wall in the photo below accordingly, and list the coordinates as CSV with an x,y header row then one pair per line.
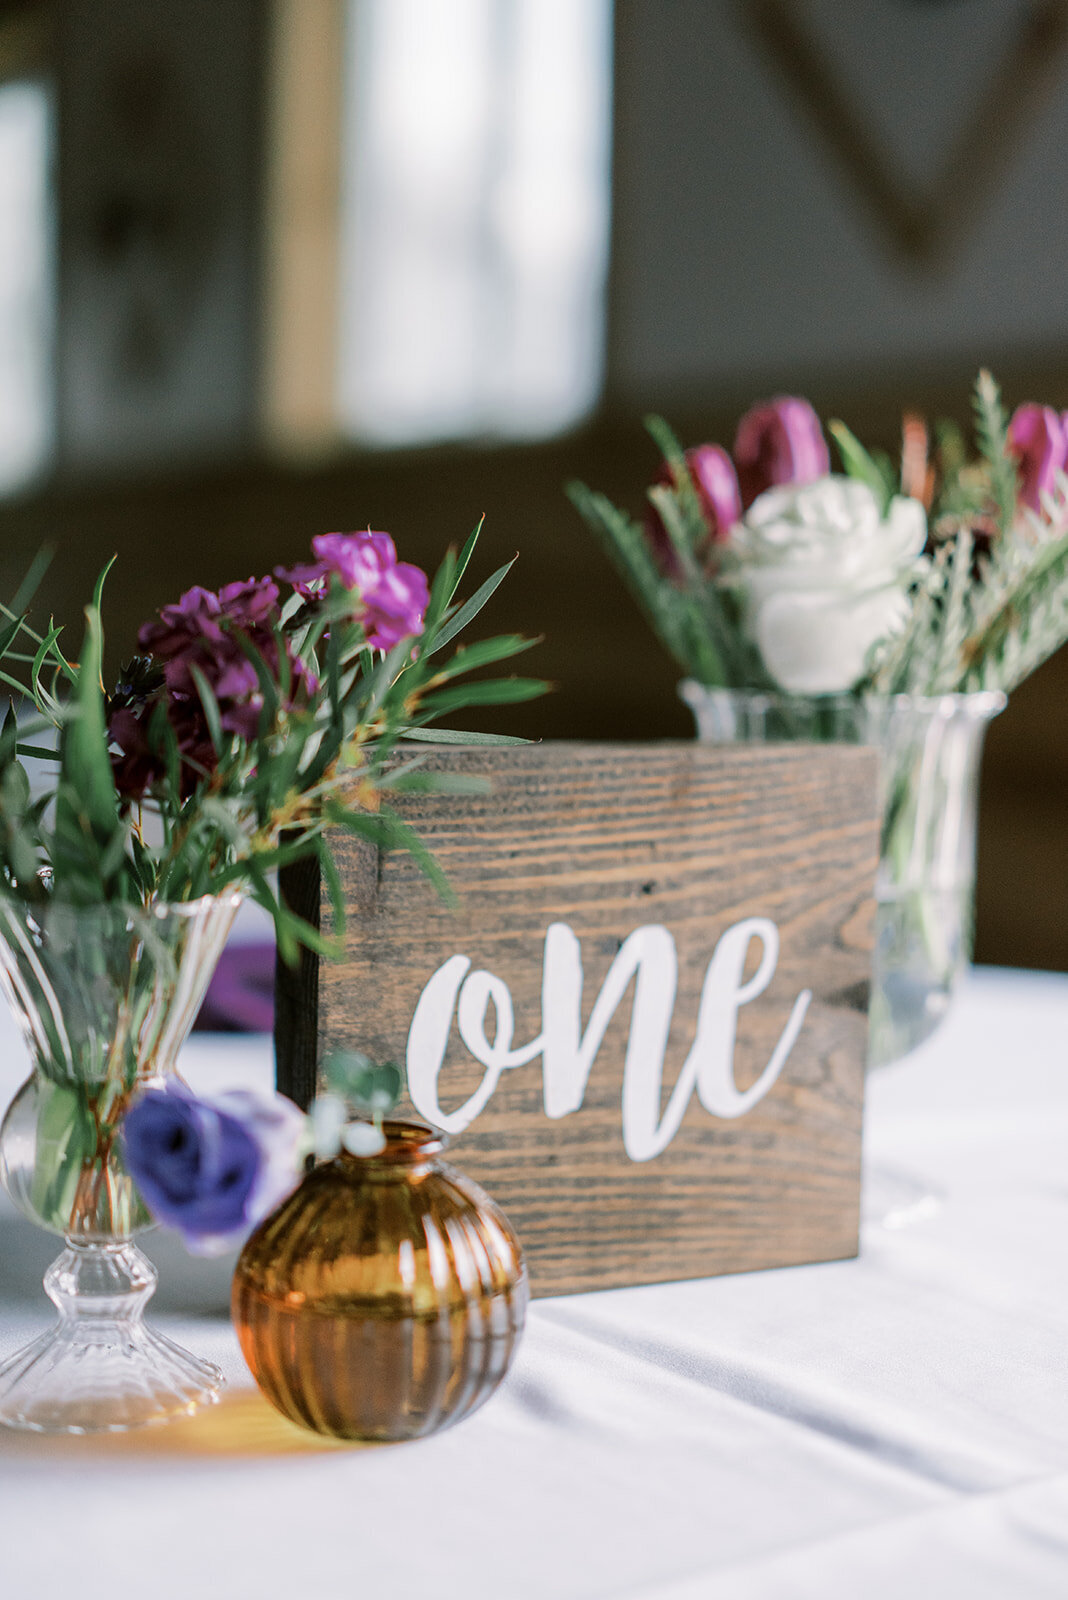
x,y
751,254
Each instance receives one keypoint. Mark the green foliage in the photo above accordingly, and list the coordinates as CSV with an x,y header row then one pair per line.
x,y
992,603
992,433
875,470
321,756
368,1088
694,612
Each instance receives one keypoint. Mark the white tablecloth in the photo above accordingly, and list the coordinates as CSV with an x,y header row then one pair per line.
x,y
894,1426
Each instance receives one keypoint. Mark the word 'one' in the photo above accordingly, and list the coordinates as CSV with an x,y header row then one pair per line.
x,y
567,1053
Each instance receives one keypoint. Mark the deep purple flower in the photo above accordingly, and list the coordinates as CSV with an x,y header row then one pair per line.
x,y
206,631
202,630
394,594
1038,438
211,1168
139,764
780,441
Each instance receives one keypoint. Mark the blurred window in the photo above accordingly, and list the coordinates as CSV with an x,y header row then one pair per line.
x,y
475,212
26,282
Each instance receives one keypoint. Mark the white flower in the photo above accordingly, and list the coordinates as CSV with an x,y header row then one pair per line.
x,y
823,578
363,1139
328,1116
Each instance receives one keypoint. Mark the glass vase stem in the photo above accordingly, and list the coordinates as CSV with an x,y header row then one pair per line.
x,y
100,1369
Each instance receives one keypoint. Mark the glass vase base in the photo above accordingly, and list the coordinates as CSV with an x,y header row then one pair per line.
x,y
101,1369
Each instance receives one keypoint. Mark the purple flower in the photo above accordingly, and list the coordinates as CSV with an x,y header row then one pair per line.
x,y
716,482
396,606
212,1168
205,631
249,605
1038,438
196,616
201,631
393,593
138,765
778,442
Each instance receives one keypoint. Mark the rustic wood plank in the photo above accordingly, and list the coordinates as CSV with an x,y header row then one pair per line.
x,y
607,839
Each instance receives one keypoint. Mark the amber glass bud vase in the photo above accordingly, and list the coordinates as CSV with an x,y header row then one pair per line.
x,y
385,1298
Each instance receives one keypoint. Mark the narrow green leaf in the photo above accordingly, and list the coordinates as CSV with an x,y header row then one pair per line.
x,y
334,887
8,635
859,464
464,557
32,581
40,751
470,609
9,734
665,503
484,692
85,765
667,443
624,543
45,649
441,590
468,783
469,657
429,735
210,707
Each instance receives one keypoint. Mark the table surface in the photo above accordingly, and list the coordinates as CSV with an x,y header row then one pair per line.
x,y
891,1426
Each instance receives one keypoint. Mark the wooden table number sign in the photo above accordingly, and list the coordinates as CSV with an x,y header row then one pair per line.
x,y
644,1026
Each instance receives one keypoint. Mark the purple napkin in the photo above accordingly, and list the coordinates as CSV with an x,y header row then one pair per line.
x,y
240,997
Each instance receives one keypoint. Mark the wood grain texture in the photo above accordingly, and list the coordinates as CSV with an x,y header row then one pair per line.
x,y
608,838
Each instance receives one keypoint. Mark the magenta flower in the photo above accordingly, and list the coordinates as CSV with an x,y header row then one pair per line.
x,y
716,482
713,474
196,616
1038,438
396,606
394,594
778,442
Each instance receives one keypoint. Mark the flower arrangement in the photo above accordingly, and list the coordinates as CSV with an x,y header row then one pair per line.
x,y
250,719
762,569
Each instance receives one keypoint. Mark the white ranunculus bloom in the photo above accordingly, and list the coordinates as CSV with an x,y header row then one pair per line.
x,y
823,578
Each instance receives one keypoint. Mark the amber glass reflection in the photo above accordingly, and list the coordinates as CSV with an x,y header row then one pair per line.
x,y
385,1298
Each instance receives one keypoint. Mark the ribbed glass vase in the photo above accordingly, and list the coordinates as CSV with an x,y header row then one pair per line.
x,y
385,1298
929,793
104,998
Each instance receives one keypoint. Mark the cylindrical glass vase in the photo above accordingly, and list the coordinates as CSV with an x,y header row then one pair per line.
x,y
384,1299
104,997
929,793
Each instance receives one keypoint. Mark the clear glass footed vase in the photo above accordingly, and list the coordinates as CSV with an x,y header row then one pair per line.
x,y
929,792
104,997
